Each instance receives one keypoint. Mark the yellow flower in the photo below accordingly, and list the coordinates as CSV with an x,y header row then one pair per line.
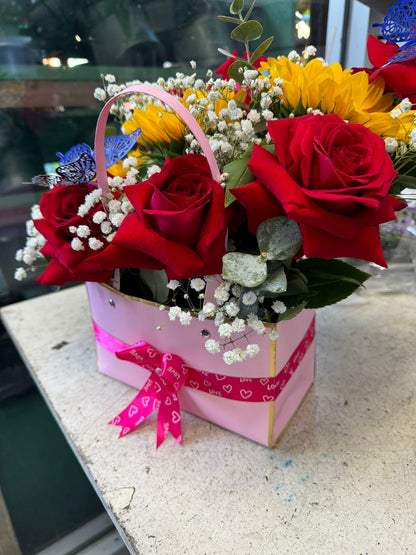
x,y
118,169
157,125
328,88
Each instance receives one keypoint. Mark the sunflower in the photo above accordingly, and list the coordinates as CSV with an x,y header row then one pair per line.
x,y
328,88
158,125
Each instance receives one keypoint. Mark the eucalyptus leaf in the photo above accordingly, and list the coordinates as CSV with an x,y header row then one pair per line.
x,y
226,53
247,270
246,309
279,238
239,175
228,19
261,49
236,69
275,282
246,31
249,10
237,6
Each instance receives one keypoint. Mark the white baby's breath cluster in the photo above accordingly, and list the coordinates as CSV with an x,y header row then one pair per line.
x,y
29,254
233,311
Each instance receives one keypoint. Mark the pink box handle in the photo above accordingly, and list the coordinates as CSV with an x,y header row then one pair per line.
x,y
173,103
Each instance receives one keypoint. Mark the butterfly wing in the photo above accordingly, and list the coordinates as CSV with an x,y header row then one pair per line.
x,y
47,180
81,170
399,25
117,146
73,153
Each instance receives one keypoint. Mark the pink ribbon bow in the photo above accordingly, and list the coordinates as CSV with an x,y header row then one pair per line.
x,y
159,392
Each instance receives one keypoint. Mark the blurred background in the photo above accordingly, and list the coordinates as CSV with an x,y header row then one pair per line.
x,y
52,53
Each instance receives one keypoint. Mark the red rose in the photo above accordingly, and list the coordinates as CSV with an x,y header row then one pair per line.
x,y
399,77
59,208
331,177
179,223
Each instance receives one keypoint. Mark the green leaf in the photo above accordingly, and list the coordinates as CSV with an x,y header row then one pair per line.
x,y
402,182
249,30
250,10
110,130
245,269
292,311
156,281
275,282
234,70
237,6
228,19
261,49
330,281
279,238
239,175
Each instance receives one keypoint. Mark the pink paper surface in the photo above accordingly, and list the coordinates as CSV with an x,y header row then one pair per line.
x,y
132,321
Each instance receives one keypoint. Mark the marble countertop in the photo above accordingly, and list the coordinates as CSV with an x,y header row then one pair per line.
x,y
341,481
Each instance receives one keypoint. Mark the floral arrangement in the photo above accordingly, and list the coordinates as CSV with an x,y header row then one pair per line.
x,y
312,159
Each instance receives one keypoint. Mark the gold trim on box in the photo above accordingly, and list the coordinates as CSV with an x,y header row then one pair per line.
x,y
271,404
289,422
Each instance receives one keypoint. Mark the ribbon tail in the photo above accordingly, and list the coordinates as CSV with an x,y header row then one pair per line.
x,y
137,411
169,419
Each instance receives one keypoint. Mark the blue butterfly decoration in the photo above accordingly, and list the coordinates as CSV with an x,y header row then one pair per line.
x,y
77,165
399,25
81,170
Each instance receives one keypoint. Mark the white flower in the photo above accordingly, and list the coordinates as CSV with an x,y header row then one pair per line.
x,y
83,231
20,274
228,357
114,206
225,330
106,228
249,298
212,346
197,284
221,293
267,114
250,74
405,105
232,309
238,325
185,318
95,244
117,219
99,217
173,284
29,256
76,244
255,324
100,94
209,309
247,127
174,312
309,51
19,255
35,212
152,170
391,144
129,161
293,56
279,307
219,318
252,350
239,355
273,335
253,116
110,78
396,113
